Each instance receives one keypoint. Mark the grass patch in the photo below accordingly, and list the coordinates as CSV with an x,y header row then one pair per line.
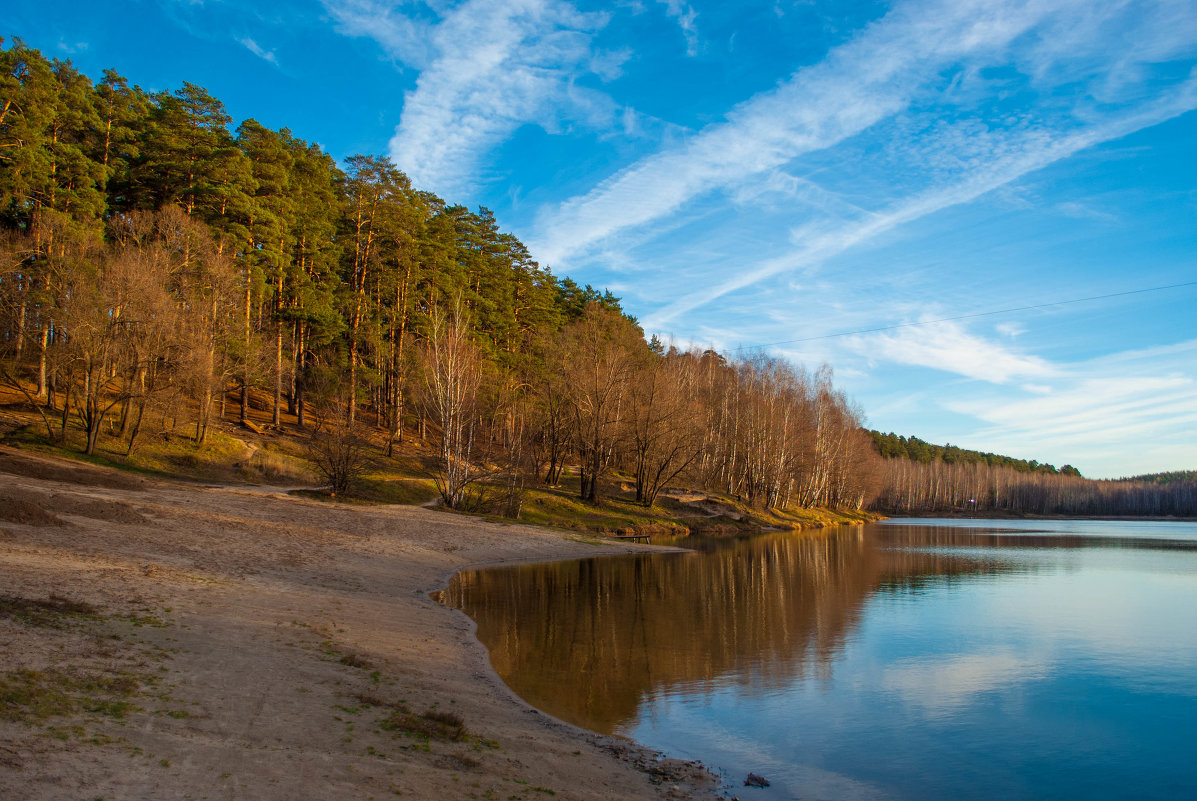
x,y
544,790
816,517
53,612
400,490
349,658
271,465
164,453
222,457
354,660
620,513
428,725
560,507
31,696
382,488
431,724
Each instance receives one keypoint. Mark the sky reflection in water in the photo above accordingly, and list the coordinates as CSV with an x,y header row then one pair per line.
x,y
910,660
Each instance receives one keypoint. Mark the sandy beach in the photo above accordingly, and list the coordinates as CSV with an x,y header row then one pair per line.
x,y
168,640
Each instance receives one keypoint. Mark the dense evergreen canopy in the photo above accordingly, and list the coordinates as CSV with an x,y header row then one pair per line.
x,y
892,446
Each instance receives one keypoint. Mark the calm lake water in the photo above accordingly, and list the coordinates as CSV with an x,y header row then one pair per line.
x,y
913,659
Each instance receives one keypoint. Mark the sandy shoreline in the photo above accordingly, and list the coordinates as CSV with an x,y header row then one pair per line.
x,y
240,643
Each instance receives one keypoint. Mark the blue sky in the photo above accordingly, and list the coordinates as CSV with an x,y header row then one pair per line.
x,y
751,173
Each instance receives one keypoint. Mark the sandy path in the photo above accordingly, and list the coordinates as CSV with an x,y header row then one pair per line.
x,y
280,649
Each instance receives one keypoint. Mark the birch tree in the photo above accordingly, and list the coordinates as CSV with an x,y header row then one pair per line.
x,y
452,373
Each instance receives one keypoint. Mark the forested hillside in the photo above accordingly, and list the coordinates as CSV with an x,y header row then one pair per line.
x,y
1165,478
892,446
920,478
161,271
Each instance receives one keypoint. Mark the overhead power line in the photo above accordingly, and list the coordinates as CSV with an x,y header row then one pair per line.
x,y
971,316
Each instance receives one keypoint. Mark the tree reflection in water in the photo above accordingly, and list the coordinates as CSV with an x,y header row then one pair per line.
x,y
587,640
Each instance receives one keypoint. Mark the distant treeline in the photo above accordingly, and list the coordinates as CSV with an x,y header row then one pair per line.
x,y
892,446
969,486
155,266
1165,478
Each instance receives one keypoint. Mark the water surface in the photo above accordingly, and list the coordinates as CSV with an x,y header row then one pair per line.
x,y
917,659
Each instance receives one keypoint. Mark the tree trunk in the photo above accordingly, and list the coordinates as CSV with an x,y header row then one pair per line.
x,y
246,344
66,410
21,317
301,378
294,379
351,412
91,411
43,343
278,375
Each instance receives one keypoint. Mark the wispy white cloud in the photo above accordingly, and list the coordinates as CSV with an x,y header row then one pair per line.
x,y
486,68
949,347
500,64
1098,410
72,48
402,30
858,84
891,76
255,48
779,188
1011,329
1012,157
1083,211
685,15
1136,409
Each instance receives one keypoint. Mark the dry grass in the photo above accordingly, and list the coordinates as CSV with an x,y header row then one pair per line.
x,y
280,456
52,612
355,660
30,696
701,513
617,513
431,724
428,725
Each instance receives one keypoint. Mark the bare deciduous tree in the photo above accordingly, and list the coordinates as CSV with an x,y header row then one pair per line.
x,y
665,423
339,453
600,355
452,372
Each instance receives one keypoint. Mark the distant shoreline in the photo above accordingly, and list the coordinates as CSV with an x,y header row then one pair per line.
x,y
1012,516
